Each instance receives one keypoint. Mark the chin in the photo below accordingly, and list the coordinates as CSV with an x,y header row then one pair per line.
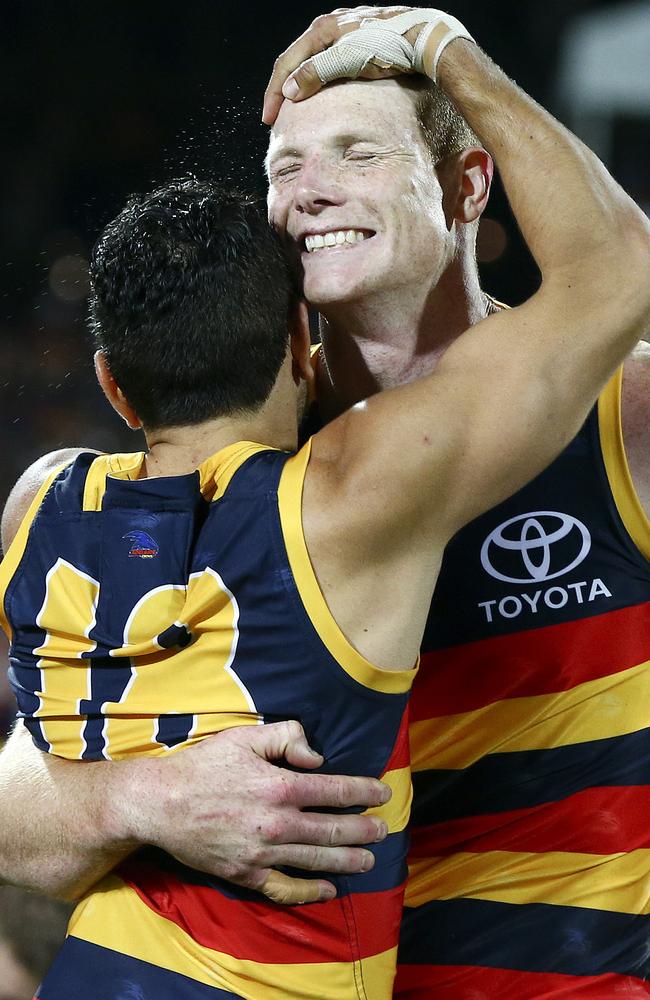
x,y
321,292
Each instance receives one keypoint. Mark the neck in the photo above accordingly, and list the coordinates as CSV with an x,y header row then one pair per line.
x,y
373,345
176,451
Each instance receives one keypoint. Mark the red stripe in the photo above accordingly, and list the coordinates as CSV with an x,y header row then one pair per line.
x,y
401,755
464,982
342,930
539,661
595,821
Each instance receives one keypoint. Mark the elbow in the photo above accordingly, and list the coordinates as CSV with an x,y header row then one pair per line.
x,y
609,283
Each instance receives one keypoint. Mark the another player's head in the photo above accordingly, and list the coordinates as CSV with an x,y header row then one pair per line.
x,y
191,305
390,160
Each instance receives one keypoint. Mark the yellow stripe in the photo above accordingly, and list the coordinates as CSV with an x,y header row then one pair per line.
x,y
123,466
217,471
397,811
618,471
615,882
130,736
314,355
376,975
350,660
66,617
606,707
16,550
113,916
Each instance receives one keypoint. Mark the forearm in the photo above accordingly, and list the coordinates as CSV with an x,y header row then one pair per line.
x,y
570,210
60,831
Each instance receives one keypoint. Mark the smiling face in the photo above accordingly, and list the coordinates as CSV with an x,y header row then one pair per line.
x,y
354,190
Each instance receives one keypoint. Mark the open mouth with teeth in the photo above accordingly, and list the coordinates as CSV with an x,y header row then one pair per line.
x,y
336,238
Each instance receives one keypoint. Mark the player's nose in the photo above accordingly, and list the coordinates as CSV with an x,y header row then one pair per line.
x,y
318,186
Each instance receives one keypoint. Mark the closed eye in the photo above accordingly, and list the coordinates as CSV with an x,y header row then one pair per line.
x,y
359,154
281,173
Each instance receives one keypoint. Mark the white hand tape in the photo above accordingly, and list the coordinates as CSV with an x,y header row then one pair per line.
x,y
454,30
381,40
351,54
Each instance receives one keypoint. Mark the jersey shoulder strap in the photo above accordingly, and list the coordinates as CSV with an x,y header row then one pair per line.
x,y
308,588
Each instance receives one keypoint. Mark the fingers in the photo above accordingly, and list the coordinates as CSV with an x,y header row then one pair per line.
x,y
294,75
322,33
327,791
323,830
285,891
297,751
302,83
284,741
306,81
339,860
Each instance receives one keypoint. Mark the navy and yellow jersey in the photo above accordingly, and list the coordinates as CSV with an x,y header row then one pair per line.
x,y
530,744
146,614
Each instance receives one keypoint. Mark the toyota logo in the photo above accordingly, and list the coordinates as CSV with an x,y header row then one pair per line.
x,y
542,545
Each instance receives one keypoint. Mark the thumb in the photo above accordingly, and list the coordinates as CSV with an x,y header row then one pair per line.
x,y
285,740
285,891
302,83
298,752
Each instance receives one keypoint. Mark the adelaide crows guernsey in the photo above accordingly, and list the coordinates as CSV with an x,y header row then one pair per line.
x,y
530,744
146,614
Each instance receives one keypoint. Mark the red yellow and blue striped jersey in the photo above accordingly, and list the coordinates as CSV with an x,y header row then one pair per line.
x,y
146,614
530,743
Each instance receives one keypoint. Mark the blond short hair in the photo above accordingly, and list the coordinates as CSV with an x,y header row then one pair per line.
x,y
445,131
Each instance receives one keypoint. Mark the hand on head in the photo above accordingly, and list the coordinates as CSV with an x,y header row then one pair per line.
x,y
387,41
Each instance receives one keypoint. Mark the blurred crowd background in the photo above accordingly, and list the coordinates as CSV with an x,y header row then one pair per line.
x,y
104,99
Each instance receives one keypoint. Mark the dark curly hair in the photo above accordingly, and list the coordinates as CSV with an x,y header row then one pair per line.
x,y
190,302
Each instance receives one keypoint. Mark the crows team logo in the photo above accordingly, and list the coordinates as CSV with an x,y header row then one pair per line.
x,y
535,547
143,546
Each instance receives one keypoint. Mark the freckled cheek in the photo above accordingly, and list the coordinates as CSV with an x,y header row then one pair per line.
x,y
407,216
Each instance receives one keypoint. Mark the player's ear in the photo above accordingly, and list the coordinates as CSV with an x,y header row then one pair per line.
x,y
465,179
300,343
113,393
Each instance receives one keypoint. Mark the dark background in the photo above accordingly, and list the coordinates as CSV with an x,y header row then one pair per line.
x,y
109,97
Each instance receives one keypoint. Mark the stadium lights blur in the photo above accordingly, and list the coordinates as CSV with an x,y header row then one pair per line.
x,y
68,278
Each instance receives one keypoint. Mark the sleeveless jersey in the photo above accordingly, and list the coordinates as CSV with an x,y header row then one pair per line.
x,y
529,873
146,614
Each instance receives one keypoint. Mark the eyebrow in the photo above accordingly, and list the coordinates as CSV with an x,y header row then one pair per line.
x,y
279,155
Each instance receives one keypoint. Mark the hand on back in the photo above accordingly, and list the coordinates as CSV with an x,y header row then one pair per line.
x,y
225,807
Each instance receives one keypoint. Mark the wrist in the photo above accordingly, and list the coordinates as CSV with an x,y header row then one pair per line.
x,y
128,803
433,41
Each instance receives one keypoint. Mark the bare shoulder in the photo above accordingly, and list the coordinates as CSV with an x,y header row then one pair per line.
x,y
636,419
23,493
